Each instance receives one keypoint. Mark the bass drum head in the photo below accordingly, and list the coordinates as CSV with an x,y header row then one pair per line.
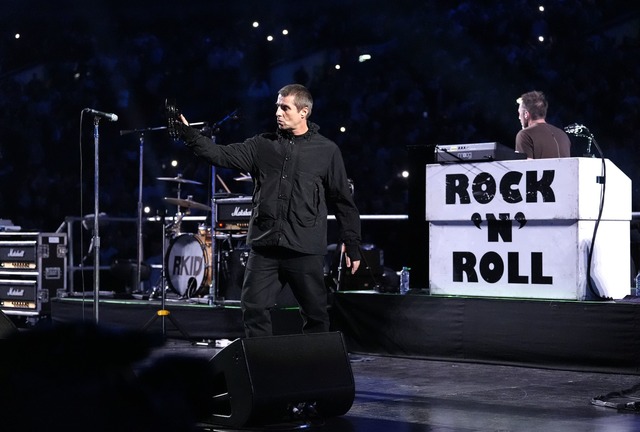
x,y
188,265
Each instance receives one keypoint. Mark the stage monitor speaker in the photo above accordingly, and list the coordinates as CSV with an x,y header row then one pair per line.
x,y
281,379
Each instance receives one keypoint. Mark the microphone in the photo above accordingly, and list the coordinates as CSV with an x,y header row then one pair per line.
x,y
576,128
579,130
573,128
108,116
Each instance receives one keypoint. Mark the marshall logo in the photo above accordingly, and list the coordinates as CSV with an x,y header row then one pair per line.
x,y
15,292
238,212
16,253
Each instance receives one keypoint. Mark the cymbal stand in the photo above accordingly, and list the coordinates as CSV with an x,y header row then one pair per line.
x,y
163,313
213,288
213,129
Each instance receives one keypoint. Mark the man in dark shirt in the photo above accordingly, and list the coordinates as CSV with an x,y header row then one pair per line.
x,y
298,174
539,139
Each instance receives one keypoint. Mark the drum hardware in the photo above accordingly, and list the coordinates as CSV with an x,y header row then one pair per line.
x,y
204,231
196,262
188,261
174,117
174,228
187,203
141,139
163,313
179,179
178,201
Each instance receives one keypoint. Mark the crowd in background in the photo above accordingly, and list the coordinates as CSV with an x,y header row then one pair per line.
x,y
439,72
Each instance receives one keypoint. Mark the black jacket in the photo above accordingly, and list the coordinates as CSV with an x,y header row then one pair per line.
x,y
295,179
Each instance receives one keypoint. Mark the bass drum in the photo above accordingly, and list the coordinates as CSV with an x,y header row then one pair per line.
x,y
188,265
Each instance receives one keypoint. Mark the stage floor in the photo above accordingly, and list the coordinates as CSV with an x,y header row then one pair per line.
x,y
501,377
416,395
403,394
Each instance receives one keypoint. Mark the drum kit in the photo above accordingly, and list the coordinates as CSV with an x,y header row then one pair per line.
x,y
192,259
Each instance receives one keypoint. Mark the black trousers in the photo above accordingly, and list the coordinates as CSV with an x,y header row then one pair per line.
x,y
267,272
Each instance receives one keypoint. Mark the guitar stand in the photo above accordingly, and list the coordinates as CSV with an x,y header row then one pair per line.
x,y
163,314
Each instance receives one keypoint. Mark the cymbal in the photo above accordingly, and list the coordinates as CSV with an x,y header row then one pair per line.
x,y
187,203
179,179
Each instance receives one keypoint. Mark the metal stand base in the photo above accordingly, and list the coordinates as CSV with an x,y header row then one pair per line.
x,y
164,314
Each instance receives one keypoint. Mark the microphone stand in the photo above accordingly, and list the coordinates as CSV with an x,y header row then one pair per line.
x,y
214,292
139,222
139,210
582,131
141,138
163,314
96,224
214,288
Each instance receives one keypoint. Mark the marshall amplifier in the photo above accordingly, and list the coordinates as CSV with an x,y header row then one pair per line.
x,y
21,295
33,268
233,214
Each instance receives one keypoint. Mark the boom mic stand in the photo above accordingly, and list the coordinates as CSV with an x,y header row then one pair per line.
x,y
96,224
139,248
163,313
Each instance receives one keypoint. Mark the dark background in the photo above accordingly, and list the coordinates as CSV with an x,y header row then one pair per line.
x,y
440,72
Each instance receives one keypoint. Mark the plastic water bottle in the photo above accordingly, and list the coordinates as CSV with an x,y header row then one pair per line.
x,y
637,290
404,280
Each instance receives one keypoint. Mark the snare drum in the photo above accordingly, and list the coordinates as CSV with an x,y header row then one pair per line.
x,y
188,265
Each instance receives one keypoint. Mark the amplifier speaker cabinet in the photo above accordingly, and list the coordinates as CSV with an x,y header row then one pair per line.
x,y
33,268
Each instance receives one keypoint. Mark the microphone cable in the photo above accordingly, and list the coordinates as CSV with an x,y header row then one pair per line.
x,y
582,131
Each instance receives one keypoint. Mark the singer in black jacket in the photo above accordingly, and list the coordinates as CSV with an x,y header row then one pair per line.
x,y
298,176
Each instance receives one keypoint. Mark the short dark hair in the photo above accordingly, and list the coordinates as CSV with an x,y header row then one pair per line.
x,y
301,96
535,103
